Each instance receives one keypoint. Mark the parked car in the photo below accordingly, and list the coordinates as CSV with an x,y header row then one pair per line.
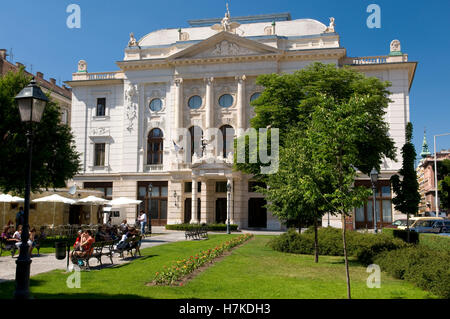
x,y
430,225
433,214
402,225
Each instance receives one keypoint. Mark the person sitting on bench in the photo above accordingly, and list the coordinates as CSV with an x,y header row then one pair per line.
x,y
86,245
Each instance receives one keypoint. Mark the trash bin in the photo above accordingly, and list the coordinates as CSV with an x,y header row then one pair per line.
x,y
60,249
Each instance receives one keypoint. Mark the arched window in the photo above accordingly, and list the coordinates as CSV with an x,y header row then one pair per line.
x,y
155,144
255,96
227,139
196,140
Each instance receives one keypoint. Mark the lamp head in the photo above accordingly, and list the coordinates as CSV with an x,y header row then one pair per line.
x,y
31,101
374,175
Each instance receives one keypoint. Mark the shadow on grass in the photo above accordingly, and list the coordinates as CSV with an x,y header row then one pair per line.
x,y
351,263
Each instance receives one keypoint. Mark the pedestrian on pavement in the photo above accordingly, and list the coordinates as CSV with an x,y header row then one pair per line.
x,y
143,220
20,218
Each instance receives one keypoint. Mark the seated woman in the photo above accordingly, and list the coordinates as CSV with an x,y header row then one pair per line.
x,y
76,245
31,240
7,235
86,246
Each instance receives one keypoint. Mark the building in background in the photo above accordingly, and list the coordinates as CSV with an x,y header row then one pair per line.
x,y
60,94
127,122
426,177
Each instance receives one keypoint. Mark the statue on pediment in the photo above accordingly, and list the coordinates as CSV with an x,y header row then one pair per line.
x,y
226,23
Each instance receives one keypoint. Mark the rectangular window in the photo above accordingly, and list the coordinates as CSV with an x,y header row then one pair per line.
x,y
221,187
387,214
252,185
99,154
101,106
105,187
188,187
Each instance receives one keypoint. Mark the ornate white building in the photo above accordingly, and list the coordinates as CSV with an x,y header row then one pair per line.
x,y
127,123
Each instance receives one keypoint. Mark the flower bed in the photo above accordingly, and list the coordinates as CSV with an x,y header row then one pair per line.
x,y
184,267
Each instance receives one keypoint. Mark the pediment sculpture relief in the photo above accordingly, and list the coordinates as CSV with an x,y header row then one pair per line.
x,y
225,48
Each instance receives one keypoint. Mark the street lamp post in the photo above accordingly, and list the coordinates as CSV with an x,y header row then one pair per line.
x,y
150,190
228,206
31,101
436,198
374,179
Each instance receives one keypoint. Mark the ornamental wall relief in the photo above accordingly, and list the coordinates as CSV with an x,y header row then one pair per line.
x,y
131,105
225,48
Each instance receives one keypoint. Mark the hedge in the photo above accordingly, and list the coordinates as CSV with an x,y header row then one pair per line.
x,y
363,246
424,267
210,227
429,240
402,234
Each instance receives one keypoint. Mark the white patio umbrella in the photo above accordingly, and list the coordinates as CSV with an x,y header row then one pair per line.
x,y
124,201
55,198
92,200
6,198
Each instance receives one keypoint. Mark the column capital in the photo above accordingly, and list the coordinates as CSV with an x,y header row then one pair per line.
x,y
209,80
178,81
240,78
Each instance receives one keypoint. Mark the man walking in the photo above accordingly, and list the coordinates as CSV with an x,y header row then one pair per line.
x,y
20,218
143,220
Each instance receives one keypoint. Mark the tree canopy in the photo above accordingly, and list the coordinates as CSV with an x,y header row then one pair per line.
x,y
444,183
54,160
288,101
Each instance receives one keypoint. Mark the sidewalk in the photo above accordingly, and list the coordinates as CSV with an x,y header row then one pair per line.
x,y
48,262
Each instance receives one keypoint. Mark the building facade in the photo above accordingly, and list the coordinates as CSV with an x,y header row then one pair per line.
x,y
426,178
161,128
60,94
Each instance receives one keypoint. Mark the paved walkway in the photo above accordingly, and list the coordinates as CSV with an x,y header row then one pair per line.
x,y
48,262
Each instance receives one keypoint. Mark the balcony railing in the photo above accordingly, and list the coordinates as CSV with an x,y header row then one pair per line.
x,y
98,76
154,167
381,59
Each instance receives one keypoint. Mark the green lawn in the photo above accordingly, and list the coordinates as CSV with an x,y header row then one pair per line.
x,y
252,271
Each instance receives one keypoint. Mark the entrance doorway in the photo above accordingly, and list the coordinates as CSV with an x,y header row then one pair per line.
x,y
221,210
257,213
154,203
188,210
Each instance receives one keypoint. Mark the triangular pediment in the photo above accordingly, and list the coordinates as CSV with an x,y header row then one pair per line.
x,y
224,44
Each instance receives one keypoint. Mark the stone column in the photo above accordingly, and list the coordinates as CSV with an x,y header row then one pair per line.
x,y
178,112
194,219
240,104
209,102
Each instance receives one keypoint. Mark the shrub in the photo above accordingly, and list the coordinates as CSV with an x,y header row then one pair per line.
x,y
363,246
426,268
435,241
210,227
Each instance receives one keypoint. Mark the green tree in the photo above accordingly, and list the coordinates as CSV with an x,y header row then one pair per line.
x,y
406,189
444,184
333,135
288,100
55,159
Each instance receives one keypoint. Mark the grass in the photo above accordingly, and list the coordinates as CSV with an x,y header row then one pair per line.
x,y
253,271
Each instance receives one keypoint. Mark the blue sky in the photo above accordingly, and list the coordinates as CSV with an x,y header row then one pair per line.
x,y
40,39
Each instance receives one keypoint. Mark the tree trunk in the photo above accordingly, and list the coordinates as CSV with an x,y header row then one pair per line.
x,y
316,243
299,226
344,241
407,228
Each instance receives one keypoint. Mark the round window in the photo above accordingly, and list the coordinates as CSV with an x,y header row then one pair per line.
x,y
226,100
255,96
156,105
195,102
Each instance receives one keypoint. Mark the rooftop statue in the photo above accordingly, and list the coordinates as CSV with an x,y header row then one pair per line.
x,y
226,24
330,28
132,42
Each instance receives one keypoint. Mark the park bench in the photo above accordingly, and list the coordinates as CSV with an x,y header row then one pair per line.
x,y
7,246
99,249
197,232
131,243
